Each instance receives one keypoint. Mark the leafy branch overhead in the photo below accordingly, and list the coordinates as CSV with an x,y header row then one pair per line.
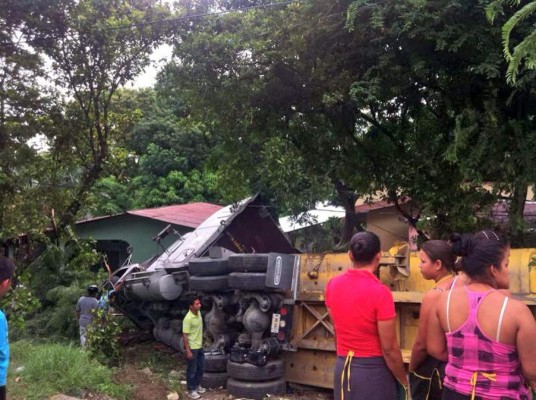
x,y
367,98
95,47
519,28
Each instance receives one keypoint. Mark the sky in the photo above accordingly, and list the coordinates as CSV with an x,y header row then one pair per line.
x,y
147,79
159,57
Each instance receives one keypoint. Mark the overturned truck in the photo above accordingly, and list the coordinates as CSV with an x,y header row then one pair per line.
x,y
266,323
243,266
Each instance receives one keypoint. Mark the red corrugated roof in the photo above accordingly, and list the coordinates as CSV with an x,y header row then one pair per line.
x,y
190,215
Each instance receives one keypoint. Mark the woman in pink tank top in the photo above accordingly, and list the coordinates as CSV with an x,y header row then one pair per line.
x,y
486,337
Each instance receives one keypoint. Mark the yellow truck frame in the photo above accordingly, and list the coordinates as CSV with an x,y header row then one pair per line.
x,y
312,356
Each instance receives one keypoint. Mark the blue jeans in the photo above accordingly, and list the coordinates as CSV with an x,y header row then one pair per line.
x,y
194,369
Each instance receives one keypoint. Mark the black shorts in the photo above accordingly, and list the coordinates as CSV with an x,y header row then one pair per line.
x,y
426,382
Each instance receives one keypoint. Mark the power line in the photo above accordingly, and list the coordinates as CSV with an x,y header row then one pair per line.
x,y
162,21
194,16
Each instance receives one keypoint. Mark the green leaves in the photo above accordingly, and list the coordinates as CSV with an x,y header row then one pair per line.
x,y
103,338
523,53
95,48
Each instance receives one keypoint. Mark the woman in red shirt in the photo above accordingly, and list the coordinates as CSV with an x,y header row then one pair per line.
x,y
369,360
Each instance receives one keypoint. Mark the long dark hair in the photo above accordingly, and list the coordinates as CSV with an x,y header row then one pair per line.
x,y
479,251
440,250
364,247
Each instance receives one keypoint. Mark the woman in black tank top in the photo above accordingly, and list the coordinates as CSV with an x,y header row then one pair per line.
x,y
426,372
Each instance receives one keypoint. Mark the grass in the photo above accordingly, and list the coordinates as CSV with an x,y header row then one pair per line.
x,y
54,368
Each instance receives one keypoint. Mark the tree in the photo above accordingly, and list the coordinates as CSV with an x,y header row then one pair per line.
x,y
403,98
95,47
23,102
164,156
235,69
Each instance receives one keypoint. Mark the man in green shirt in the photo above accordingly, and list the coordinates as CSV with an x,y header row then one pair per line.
x,y
192,333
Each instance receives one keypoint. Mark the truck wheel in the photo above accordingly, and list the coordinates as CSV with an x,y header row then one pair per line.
x,y
255,390
247,280
248,262
205,266
248,372
214,380
216,362
209,283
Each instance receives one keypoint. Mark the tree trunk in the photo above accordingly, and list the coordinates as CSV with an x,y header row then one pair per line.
x,y
516,211
409,217
88,181
351,223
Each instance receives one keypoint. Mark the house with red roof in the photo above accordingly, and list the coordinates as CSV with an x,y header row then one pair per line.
x,y
129,236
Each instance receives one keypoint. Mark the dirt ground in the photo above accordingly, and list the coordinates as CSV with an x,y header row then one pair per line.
x,y
157,373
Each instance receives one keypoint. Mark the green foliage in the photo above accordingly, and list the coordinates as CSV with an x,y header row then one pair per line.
x,y
61,267
165,157
108,197
319,238
93,52
102,338
251,75
404,98
55,368
20,304
23,102
524,53
56,319
52,284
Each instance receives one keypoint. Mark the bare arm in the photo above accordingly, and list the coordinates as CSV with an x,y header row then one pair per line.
x,y
118,286
187,349
391,350
419,352
526,345
436,342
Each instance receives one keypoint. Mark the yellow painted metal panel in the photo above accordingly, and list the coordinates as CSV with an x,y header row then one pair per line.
x,y
309,367
312,334
519,270
532,278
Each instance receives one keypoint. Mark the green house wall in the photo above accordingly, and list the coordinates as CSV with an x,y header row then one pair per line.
x,y
134,230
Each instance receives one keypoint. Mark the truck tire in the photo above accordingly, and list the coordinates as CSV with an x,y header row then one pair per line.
x,y
256,390
214,380
205,266
216,362
248,262
274,369
247,280
209,283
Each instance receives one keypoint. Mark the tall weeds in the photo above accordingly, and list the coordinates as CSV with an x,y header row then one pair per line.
x,y
49,369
